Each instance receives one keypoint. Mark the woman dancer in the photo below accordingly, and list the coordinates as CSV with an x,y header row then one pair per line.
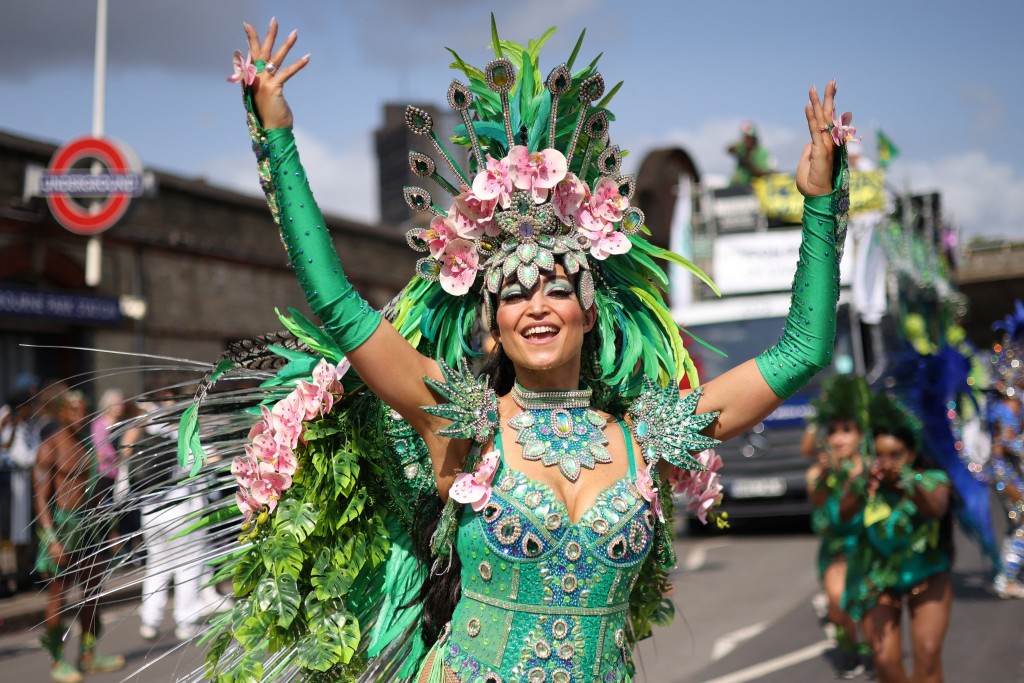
x,y
842,415
545,541
906,550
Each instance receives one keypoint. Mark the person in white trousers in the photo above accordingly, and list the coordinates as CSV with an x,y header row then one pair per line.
x,y
169,506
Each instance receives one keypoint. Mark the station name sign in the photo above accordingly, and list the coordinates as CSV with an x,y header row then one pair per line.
x,y
89,183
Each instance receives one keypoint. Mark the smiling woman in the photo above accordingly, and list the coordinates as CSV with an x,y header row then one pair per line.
x,y
393,530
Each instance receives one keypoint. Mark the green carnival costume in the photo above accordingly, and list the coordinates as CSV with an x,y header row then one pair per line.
x,y
899,547
844,397
336,488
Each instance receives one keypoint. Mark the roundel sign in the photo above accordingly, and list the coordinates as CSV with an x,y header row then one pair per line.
x,y
90,182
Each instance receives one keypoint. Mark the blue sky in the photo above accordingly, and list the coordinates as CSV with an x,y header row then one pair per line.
x,y
940,78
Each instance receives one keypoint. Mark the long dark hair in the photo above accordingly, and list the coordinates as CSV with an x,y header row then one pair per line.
x,y
443,586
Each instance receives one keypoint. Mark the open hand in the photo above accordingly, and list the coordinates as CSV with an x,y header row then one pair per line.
x,y
814,172
268,88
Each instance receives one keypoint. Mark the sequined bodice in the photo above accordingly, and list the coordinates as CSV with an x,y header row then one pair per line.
x,y
543,598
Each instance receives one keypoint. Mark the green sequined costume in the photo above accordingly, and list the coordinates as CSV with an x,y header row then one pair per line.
x,y
545,598
838,538
898,550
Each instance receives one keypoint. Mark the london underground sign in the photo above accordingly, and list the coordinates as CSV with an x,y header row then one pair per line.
x,y
72,175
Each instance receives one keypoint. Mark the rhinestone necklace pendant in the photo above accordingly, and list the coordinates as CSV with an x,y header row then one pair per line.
x,y
559,429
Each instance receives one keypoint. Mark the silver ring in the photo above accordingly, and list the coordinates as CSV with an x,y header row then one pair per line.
x,y
270,67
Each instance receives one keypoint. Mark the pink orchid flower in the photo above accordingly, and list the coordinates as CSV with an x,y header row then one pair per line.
x,y
476,210
244,470
475,489
537,172
842,131
286,420
568,196
604,239
247,504
267,489
465,227
244,69
310,399
263,448
459,264
439,235
286,462
494,182
645,484
706,499
328,378
607,202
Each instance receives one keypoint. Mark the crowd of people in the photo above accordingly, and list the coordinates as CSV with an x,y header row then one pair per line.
x,y
68,477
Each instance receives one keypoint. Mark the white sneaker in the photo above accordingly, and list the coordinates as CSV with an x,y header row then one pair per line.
x,y
186,631
1008,589
148,632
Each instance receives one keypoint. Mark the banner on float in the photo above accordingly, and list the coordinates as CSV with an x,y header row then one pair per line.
x,y
781,201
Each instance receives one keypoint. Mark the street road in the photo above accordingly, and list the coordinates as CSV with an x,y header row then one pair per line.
x,y
745,612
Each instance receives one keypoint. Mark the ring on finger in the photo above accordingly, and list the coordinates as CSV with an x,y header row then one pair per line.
x,y
270,67
821,129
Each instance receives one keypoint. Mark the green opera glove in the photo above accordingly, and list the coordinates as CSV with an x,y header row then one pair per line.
x,y
346,316
809,335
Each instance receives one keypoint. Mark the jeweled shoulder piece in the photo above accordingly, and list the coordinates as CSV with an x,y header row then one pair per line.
x,y
560,429
472,405
667,426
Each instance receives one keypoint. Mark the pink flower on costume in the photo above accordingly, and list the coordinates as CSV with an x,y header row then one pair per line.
x,y
267,489
645,485
537,172
701,488
310,399
477,210
246,503
244,69
244,470
568,196
842,131
465,227
286,420
494,182
475,489
604,239
607,202
439,235
459,264
266,469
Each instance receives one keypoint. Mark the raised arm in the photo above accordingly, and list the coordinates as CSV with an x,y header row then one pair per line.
x,y
43,476
748,393
388,364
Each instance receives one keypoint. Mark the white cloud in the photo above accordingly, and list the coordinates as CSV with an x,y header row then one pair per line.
x,y
344,180
979,195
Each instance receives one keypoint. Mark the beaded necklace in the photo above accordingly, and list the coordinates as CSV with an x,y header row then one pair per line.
x,y
559,428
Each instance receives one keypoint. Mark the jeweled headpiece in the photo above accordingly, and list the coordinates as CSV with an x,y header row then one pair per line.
x,y
533,198
542,186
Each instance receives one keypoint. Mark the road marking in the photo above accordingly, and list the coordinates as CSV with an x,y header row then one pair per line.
x,y
729,641
752,673
697,557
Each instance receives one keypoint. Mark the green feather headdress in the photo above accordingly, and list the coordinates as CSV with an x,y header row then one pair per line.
x,y
890,416
542,187
843,397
